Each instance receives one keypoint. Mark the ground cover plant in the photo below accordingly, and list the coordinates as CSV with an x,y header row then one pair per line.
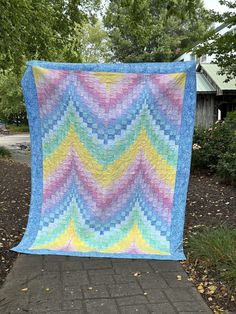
x,y
4,152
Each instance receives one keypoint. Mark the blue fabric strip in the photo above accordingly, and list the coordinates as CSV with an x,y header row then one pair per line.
x,y
184,160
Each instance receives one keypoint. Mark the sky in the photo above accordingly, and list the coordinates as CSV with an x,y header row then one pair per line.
x,y
214,5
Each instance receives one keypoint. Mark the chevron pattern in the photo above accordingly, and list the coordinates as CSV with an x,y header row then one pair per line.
x,y
110,144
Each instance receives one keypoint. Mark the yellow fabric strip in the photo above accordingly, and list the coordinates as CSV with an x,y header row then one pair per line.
x,y
107,175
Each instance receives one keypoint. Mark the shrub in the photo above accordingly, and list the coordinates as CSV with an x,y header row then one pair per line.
x,y
16,129
216,248
226,167
215,148
11,101
4,152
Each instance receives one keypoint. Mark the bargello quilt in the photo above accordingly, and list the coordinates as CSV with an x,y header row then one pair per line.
x,y
111,150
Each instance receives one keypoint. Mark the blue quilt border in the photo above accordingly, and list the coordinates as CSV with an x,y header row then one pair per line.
x,y
184,158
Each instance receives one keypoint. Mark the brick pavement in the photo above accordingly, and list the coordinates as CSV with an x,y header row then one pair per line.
x,y
69,285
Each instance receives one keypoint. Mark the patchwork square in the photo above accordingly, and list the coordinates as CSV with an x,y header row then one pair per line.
x,y
111,149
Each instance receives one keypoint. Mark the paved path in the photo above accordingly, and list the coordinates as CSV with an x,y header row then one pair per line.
x,y
21,156
9,140
70,285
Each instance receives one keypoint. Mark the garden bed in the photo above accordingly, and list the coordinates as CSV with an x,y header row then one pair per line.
x,y
209,204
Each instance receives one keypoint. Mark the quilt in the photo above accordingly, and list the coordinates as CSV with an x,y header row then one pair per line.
x,y
111,151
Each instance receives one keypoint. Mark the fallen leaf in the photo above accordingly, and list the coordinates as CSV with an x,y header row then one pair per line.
x,y
179,277
211,289
200,288
24,289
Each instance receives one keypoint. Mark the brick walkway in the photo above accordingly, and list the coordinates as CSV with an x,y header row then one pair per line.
x,y
66,285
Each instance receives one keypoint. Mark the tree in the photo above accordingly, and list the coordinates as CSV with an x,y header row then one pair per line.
x,y
43,29
12,108
154,30
94,43
39,29
222,46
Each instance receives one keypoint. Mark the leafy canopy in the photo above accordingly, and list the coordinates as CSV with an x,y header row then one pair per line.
x,y
222,46
154,30
40,29
94,42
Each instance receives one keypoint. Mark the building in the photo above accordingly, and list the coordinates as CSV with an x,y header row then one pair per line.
x,y
215,97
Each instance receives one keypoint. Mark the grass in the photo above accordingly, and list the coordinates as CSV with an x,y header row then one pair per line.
x,y
18,129
216,248
4,152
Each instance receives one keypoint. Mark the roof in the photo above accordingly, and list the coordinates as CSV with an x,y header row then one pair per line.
x,y
212,70
220,27
203,86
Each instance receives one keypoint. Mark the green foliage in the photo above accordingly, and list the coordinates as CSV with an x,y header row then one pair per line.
x,y
12,107
145,30
226,167
4,152
215,148
18,129
211,143
40,30
45,29
216,248
222,46
94,43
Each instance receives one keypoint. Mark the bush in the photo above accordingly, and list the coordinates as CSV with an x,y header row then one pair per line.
x,y
18,129
11,101
4,152
226,167
216,248
215,148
